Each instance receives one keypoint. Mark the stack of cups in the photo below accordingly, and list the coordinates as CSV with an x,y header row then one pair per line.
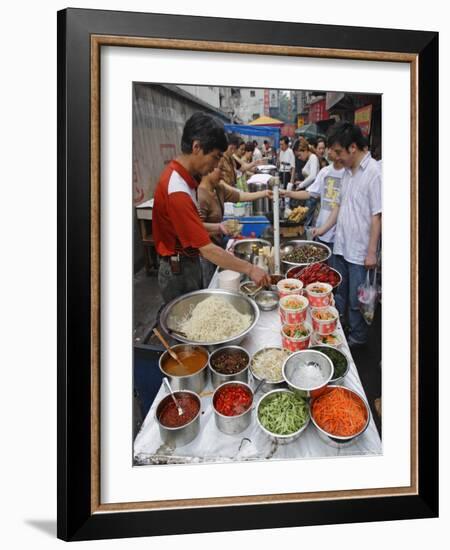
x,y
295,332
229,280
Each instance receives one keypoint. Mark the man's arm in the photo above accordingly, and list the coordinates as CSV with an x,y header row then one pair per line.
x,y
301,195
330,222
375,231
220,257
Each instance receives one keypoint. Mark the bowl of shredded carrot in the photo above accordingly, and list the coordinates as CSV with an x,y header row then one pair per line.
x,y
340,415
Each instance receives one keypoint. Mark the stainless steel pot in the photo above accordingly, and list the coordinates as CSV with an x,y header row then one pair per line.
x,y
280,439
195,382
339,441
232,425
217,378
302,358
182,435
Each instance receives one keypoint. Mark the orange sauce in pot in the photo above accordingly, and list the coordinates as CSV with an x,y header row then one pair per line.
x,y
193,360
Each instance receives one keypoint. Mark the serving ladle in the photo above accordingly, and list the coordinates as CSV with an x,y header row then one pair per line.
x,y
166,345
177,404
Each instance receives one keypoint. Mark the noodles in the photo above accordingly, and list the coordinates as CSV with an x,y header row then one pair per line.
x,y
214,319
268,364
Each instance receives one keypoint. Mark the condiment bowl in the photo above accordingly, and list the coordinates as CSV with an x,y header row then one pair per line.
x,y
280,439
303,359
232,425
268,385
267,300
335,440
182,435
218,378
194,382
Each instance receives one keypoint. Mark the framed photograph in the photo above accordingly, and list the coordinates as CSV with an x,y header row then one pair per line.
x,y
130,85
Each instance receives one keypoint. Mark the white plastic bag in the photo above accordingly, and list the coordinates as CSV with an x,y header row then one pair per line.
x,y
368,294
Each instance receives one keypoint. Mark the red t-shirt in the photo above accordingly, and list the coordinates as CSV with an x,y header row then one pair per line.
x,y
177,227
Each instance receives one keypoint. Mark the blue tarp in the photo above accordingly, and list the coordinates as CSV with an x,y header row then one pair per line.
x,y
265,131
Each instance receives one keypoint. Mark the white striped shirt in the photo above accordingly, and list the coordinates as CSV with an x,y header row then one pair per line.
x,y
360,200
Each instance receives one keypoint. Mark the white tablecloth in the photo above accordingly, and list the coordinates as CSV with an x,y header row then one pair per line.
x,y
211,445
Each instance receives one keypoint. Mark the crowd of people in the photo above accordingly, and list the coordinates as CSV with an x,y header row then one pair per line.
x,y
337,179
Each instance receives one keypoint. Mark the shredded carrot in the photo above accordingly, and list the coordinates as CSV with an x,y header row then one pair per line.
x,y
339,412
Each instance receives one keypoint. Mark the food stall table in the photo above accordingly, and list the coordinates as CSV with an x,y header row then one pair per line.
x,y
211,445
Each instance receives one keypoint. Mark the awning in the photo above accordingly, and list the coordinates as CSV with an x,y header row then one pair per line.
x,y
256,131
266,121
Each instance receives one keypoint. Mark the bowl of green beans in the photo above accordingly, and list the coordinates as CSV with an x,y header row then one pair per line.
x,y
282,415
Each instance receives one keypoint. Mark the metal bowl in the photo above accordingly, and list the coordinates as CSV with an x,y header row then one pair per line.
x,y
293,245
217,378
340,441
243,248
267,386
183,434
195,382
280,439
267,300
179,308
301,358
294,273
338,380
232,425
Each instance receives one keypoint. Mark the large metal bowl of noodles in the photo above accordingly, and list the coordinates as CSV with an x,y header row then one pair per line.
x,y
180,309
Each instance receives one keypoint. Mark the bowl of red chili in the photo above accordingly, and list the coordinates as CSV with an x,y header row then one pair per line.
x,y
232,403
340,415
175,429
315,273
229,364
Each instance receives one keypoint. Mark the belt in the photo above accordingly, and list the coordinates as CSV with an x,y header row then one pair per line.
x,y
181,256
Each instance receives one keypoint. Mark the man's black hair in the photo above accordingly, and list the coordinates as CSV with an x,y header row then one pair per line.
x,y
234,139
285,139
312,141
344,134
249,146
266,141
255,143
207,130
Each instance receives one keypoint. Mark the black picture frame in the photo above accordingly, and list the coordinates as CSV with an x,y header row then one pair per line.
x,y
76,518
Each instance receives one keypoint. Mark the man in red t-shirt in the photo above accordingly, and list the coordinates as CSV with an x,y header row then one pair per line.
x,y
179,234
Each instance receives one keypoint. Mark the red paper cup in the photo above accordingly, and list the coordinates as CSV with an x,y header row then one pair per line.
x,y
293,315
295,344
289,287
319,298
324,326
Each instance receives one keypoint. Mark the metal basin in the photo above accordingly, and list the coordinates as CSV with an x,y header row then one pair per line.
x,y
182,435
304,358
290,246
280,439
243,248
180,308
340,441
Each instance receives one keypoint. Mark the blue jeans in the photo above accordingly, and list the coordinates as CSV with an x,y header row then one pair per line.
x,y
347,296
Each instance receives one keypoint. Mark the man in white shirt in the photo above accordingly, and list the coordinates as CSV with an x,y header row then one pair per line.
x,y
327,187
286,163
257,155
358,227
